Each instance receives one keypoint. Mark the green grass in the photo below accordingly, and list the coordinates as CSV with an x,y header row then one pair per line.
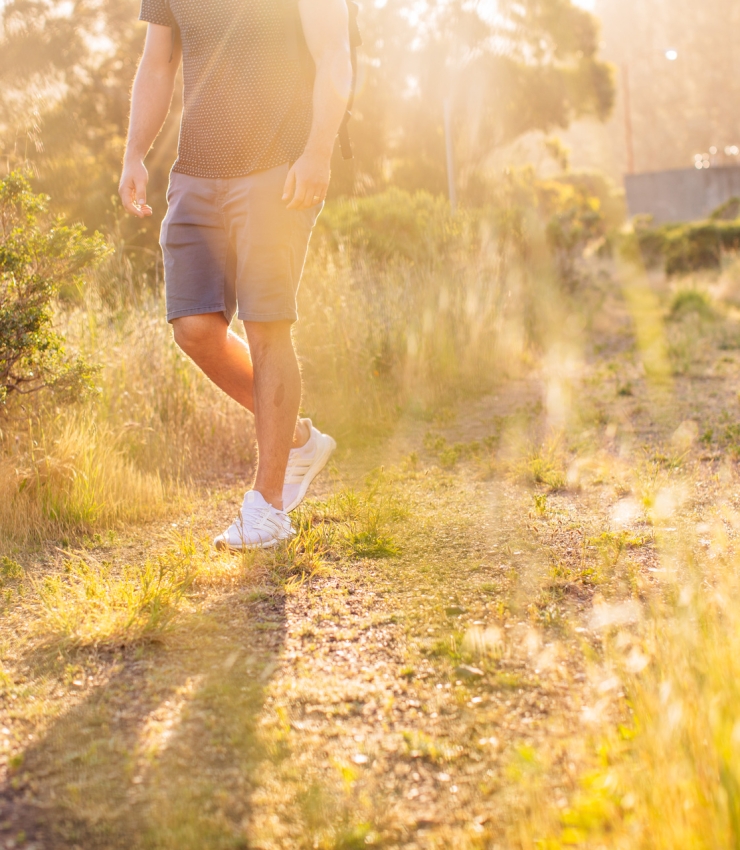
x,y
691,302
98,605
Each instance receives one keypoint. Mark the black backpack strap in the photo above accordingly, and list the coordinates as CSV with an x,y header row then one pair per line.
x,y
355,41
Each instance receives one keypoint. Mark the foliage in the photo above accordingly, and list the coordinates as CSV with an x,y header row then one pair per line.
x,y
533,68
570,208
729,211
93,605
687,248
687,301
66,104
678,108
37,257
393,225
418,228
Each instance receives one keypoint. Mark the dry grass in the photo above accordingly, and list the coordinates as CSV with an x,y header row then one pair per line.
x,y
97,605
668,777
375,341
78,479
592,586
92,603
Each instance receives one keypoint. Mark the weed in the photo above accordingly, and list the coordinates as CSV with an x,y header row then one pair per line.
x,y
731,439
610,545
434,443
419,745
543,466
98,605
449,456
447,647
368,535
10,569
372,544
540,504
691,301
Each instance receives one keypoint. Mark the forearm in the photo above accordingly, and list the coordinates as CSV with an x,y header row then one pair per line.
x,y
326,28
331,94
150,103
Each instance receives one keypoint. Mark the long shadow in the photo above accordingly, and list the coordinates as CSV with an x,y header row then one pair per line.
x,y
161,756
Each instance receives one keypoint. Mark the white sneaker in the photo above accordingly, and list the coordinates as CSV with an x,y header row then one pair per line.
x,y
258,526
304,465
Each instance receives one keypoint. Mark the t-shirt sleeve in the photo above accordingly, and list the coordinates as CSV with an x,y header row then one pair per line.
x,y
155,12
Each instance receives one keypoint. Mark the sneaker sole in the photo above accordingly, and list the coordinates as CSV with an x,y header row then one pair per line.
x,y
222,546
328,447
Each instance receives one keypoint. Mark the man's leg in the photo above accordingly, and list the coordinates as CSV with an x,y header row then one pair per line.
x,y
277,398
226,360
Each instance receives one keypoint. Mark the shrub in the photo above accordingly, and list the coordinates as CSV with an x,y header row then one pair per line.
x,y
729,211
393,225
687,248
570,209
691,301
38,255
693,248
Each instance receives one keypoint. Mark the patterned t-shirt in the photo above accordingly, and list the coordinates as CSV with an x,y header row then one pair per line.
x,y
248,83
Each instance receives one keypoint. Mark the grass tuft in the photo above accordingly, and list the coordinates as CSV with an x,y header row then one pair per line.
x,y
99,605
691,302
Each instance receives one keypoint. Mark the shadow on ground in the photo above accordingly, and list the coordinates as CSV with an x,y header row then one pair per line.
x,y
160,754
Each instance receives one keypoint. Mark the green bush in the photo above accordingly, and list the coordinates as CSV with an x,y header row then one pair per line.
x,y
693,248
687,248
691,301
38,255
729,211
393,225
570,208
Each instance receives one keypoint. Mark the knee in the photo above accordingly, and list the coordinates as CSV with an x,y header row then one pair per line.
x,y
267,336
194,334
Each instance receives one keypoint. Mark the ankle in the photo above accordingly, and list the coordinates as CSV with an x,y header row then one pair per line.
x,y
274,499
302,434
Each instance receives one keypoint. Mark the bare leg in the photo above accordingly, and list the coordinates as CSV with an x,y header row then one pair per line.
x,y
277,398
225,359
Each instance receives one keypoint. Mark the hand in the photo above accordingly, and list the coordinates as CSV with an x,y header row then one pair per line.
x,y
132,188
307,182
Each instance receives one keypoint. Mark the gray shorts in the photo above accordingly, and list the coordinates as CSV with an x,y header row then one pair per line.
x,y
231,244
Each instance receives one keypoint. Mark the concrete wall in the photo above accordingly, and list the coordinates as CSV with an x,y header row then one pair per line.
x,y
689,194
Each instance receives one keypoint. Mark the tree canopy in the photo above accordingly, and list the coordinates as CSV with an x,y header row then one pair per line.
x,y
505,70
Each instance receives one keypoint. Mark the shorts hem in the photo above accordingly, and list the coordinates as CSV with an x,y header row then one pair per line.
x,y
195,311
285,316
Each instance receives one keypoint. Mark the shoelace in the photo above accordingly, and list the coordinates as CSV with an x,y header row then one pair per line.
x,y
256,518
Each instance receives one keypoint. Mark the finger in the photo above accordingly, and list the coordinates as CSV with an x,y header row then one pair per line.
x,y
290,185
140,197
315,196
129,204
303,197
126,193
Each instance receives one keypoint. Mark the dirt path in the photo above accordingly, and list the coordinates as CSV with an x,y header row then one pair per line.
x,y
438,684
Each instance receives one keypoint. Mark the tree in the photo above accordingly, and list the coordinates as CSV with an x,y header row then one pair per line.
x,y
38,255
532,66
679,107
70,116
